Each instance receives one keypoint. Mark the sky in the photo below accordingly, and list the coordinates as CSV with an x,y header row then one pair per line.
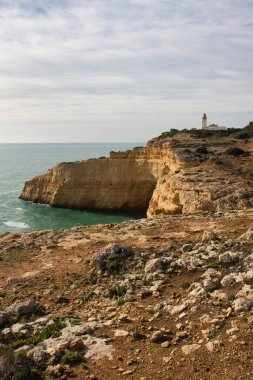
x,y
122,70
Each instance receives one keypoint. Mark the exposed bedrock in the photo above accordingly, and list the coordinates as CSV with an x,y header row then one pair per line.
x,y
161,178
123,182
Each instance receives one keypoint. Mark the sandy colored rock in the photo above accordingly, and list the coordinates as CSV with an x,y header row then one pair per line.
x,y
159,179
190,348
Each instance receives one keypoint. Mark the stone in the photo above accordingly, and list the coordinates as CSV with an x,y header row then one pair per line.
x,y
190,348
242,304
14,280
248,276
121,333
99,261
178,309
226,258
228,280
55,370
129,297
219,295
210,346
187,247
232,330
128,372
16,328
28,307
153,265
196,292
157,336
124,318
38,355
211,273
157,286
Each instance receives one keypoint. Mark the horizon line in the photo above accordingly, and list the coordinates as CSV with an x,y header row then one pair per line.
x,y
75,142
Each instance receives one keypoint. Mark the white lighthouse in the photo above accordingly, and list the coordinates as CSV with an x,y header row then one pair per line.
x,y
204,121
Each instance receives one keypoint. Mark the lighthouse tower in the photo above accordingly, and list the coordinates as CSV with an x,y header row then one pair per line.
x,y
204,121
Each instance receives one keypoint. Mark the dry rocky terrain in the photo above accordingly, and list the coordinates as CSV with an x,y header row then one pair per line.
x,y
165,298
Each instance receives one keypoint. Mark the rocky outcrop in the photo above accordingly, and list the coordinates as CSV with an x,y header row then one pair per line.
x,y
168,176
123,182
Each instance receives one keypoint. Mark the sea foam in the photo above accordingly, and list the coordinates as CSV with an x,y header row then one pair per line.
x,y
10,223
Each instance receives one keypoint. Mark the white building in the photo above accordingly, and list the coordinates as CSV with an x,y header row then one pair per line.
x,y
211,127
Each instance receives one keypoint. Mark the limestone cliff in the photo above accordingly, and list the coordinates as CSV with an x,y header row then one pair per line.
x,y
168,176
123,182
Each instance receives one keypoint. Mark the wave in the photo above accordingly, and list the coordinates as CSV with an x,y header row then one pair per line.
x,y
19,209
11,191
11,223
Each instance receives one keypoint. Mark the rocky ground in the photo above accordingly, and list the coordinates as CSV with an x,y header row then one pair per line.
x,y
166,298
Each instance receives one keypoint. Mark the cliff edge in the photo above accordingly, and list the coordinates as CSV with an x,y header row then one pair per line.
x,y
172,174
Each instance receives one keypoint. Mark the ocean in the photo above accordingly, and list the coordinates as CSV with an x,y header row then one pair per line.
x,y
21,162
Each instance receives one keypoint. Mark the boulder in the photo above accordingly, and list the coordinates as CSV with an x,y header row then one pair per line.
x,y
158,336
153,265
242,304
190,348
27,308
228,280
113,254
226,258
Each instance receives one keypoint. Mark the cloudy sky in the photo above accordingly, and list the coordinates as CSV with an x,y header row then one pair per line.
x,y
122,70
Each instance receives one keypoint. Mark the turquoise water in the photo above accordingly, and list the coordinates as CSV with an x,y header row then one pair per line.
x,y
20,162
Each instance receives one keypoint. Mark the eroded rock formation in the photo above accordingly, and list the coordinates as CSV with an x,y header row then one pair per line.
x,y
168,176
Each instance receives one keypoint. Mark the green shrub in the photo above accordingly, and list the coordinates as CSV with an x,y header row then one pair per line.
x,y
120,301
202,150
86,296
114,263
187,151
72,357
242,136
235,152
25,368
116,290
18,366
51,330
248,128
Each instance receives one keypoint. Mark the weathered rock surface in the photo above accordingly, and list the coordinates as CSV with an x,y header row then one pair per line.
x,y
165,177
125,181
176,305
28,307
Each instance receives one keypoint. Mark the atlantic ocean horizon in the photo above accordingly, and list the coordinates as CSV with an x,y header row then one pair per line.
x,y
21,162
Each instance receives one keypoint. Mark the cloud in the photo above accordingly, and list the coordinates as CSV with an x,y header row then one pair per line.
x,y
124,69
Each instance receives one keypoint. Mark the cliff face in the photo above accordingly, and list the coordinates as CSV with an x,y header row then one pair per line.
x,y
165,177
123,182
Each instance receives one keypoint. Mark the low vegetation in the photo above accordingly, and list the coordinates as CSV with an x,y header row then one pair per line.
x,y
238,133
235,151
72,358
18,366
51,330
